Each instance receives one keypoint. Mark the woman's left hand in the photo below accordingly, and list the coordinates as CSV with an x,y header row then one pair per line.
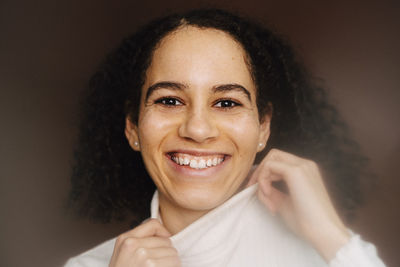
x,y
306,207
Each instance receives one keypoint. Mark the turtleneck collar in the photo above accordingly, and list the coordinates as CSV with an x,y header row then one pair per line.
x,y
204,241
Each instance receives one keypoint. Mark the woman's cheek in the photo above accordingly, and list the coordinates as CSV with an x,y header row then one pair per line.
x,y
154,124
243,130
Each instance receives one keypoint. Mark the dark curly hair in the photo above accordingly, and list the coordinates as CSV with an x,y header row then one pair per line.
x,y
109,180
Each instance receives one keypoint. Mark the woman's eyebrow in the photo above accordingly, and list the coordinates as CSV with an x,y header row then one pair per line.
x,y
180,86
166,85
232,87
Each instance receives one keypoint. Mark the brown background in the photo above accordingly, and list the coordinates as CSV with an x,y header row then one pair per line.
x,y
49,48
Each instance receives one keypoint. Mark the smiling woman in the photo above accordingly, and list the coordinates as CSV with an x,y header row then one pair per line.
x,y
186,104
197,110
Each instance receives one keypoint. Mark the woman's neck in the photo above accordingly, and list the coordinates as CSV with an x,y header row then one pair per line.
x,y
176,219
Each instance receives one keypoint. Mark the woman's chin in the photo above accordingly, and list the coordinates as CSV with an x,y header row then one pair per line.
x,y
200,199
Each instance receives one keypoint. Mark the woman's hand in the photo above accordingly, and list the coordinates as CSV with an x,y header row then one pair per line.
x,y
146,245
305,207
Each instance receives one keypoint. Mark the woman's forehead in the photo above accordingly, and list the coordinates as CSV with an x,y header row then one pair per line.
x,y
192,55
201,39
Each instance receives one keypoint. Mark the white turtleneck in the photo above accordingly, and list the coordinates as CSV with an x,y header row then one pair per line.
x,y
241,232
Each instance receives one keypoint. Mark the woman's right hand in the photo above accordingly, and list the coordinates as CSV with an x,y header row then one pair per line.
x,y
146,245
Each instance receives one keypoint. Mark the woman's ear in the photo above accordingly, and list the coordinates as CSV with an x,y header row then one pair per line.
x,y
265,129
131,133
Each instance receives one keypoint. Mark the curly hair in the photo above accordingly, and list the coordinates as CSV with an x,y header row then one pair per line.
x,y
109,180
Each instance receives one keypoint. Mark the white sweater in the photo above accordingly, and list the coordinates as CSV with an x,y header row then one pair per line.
x,y
241,232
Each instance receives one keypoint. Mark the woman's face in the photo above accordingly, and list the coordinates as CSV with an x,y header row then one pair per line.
x,y
198,128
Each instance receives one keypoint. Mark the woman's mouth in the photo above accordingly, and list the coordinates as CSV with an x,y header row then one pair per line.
x,y
197,162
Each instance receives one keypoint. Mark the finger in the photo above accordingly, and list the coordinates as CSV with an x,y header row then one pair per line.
x,y
282,171
154,242
273,154
152,227
288,166
126,247
265,186
266,201
277,198
276,154
259,169
171,261
265,178
128,242
157,253
133,243
147,235
273,200
147,257
307,166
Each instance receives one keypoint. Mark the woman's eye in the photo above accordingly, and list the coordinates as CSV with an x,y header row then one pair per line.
x,y
226,103
168,101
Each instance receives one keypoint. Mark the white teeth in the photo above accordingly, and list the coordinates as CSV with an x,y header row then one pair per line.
x,y
202,164
215,161
186,161
197,162
193,164
209,162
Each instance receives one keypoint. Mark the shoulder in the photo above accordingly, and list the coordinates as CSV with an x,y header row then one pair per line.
x,y
98,256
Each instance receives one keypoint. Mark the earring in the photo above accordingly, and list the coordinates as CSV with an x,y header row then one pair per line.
x,y
136,143
260,145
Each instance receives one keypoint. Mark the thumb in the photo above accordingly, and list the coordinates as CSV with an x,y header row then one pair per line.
x,y
151,227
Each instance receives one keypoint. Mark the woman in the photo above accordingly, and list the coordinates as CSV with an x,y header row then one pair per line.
x,y
193,98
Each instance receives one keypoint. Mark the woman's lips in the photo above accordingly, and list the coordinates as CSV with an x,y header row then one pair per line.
x,y
197,161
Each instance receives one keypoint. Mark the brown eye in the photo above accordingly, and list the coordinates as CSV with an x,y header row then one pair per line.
x,y
227,103
168,101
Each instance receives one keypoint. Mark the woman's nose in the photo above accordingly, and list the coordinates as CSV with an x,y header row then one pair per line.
x,y
198,126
